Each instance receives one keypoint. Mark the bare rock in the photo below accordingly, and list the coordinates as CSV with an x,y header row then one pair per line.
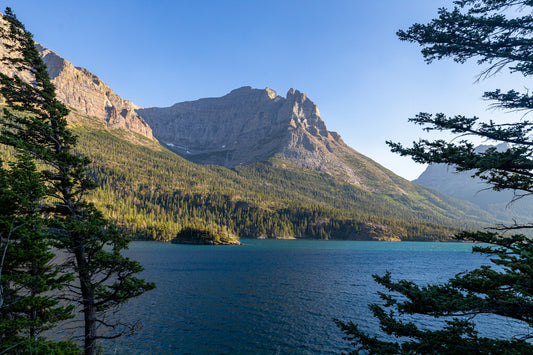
x,y
83,91
249,125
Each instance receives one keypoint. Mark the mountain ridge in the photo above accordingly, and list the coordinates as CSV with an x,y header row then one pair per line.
x,y
249,125
301,180
270,125
83,91
462,185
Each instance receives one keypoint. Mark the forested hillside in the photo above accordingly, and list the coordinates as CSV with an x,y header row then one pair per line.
x,y
153,193
285,174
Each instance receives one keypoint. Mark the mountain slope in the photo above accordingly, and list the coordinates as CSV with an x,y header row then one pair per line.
x,y
84,92
297,179
157,193
462,185
249,125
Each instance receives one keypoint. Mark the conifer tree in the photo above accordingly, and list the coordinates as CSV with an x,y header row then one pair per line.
x,y
499,34
36,124
27,273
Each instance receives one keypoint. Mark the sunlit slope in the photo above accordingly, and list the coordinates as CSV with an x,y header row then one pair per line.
x,y
279,172
153,193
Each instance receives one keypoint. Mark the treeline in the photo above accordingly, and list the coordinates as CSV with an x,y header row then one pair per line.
x,y
59,256
153,194
161,215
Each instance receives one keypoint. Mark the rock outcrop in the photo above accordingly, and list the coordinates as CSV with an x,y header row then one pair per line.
x,y
83,91
249,125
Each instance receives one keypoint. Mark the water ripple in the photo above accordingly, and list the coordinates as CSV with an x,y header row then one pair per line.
x,y
270,297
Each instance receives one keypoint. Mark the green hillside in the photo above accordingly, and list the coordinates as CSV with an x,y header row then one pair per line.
x,y
153,193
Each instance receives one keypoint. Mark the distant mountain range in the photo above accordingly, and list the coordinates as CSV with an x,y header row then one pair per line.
x,y
254,162
464,186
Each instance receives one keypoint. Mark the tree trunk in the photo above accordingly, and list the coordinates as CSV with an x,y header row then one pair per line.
x,y
89,308
89,312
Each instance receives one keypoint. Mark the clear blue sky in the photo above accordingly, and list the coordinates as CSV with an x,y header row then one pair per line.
x,y
343,54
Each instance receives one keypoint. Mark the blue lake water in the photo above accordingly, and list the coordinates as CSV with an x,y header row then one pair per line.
x,y
271,296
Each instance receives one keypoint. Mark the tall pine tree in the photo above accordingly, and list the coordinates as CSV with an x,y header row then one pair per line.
x,y
28,277
36,124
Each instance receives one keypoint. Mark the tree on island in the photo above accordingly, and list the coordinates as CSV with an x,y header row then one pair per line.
x,y
35,126
499,34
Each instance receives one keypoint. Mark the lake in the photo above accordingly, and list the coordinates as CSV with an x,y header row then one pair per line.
x,y
271,296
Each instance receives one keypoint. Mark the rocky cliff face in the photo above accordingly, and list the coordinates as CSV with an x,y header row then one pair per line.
x,y
83,91
245,126
239,128
249,125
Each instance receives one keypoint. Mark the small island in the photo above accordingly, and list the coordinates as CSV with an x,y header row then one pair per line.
x,y
205,235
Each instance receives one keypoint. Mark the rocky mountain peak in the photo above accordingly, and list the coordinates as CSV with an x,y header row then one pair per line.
x,y
304,113
84,92
271,93
249,125
247,93
54,63
499,147
296,94
243,90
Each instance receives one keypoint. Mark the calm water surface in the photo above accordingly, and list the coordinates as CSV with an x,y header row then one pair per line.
x,y
271,296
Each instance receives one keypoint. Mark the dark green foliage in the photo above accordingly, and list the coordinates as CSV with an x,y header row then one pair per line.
x,y
497,33
505,290
483,29
35,125
157,193
510,169
202,234
27,272
44,346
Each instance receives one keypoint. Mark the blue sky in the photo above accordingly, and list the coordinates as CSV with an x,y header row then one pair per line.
x,y
343,54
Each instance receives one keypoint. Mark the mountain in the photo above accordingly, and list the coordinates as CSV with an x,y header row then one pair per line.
x,y
462,185
269,168
249,125
245,126
85,93
154,193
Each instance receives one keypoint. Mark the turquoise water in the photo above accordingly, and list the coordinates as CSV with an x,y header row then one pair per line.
x,y
271,296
